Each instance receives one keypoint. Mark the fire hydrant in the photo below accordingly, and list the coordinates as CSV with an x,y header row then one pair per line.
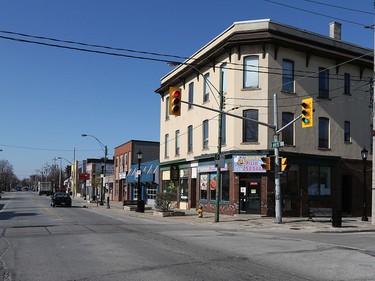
x,y
200,212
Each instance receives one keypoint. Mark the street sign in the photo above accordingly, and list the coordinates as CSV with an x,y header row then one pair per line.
x,y
219,161
276,144
174,170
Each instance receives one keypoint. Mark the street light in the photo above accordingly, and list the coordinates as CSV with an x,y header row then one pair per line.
x,y
140,202
71,164
60,172
364,154
104,147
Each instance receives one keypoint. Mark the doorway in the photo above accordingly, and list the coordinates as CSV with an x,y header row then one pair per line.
x,y
250,196
193,198
346,194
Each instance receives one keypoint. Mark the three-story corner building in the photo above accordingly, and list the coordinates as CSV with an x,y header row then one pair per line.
x,y
250,63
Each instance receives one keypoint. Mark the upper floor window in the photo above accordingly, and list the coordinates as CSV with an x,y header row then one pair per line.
x,y
166,146
347,137
346,84
177,142
191,94
288,76
190,139
251,72
205,134
323,83
121,163
250,129
323,132
288,132
206,88
223,78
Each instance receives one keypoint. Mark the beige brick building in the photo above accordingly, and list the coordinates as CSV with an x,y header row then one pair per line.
x,y
249,63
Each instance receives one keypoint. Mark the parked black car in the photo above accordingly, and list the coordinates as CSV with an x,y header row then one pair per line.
x,y
61,199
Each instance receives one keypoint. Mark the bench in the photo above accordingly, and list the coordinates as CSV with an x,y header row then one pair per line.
x,y
129,202
320,212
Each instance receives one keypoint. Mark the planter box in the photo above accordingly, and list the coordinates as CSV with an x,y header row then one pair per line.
x,y
169,213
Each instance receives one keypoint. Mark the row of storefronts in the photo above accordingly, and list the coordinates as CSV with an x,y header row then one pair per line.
x,y
311,181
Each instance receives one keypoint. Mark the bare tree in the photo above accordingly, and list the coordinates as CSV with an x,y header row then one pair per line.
x,y
8,179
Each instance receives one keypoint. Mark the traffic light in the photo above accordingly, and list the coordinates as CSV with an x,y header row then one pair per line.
x,y
284,164
307,113
175,101
266,163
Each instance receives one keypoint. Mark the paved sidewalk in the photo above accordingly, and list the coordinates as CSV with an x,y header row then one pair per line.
x,y
243,221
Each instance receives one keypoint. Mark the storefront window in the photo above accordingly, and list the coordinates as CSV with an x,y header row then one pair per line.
x,y
151,192
208,186
184,189
116,189
213,187
168,186
203,187
225,186
124,190
319,181
290,181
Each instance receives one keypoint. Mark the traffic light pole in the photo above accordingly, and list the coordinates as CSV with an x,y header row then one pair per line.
x,y
373,141
219,143
278,203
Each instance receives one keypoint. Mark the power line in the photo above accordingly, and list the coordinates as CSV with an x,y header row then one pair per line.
x,y
91,45
84,50
339,7
45,149
130,50
315,13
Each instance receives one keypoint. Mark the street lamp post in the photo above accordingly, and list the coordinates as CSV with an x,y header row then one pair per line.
x,y
140,202
105,149
60,171
364,154
71,167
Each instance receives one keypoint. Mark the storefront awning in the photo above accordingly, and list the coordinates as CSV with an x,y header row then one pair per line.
x,y
149,172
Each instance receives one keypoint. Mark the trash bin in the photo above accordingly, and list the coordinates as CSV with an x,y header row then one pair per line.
x,y
336,218
141,206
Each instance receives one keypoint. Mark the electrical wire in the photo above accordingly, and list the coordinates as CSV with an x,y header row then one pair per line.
x,y
339,7
315,13
194,65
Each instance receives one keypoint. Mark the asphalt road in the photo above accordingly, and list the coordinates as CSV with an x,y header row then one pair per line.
x,y
40,243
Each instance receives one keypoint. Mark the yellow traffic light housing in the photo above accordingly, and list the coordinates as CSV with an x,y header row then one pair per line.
x,y
307,113
266,163
175,101
284,164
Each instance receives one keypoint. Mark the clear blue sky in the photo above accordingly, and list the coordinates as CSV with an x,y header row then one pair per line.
x,y
50,96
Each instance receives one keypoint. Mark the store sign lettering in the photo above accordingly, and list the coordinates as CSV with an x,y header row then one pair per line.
x,y
248,164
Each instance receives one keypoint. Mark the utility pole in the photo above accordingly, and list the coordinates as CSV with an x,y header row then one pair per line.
x,y
219,142
278,203
373,137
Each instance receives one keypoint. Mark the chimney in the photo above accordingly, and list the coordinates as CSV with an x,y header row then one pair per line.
x,y
335,30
